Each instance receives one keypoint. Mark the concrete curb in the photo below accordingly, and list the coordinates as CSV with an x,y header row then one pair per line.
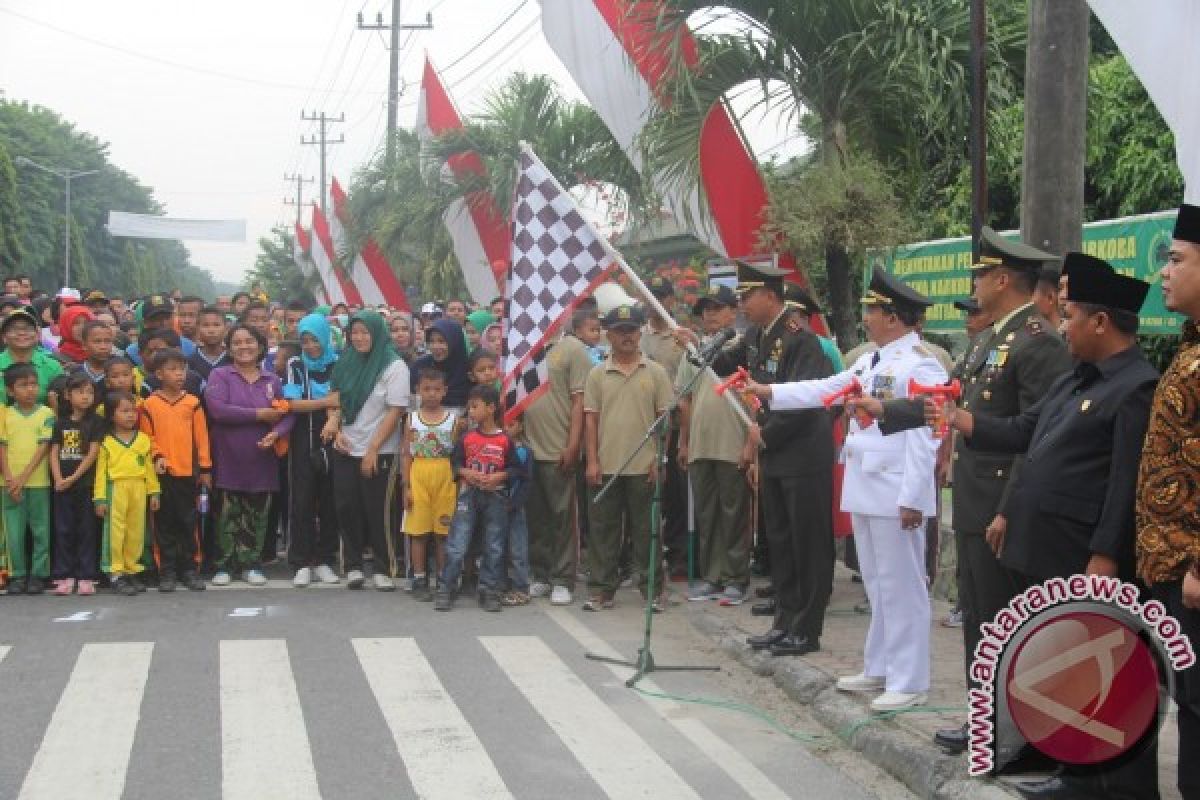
x,y
920,766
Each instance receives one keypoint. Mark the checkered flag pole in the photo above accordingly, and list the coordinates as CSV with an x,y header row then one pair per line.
x,y
558,259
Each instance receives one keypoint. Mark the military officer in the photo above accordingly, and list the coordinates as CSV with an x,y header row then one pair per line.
x,y
795,453
889,490
1007,371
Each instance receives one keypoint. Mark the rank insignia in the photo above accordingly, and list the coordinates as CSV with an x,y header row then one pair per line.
x,y
1085,406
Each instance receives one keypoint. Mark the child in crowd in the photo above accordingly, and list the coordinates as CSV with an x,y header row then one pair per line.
x,y
430,494
24,447
484,460
98,344
585,326
74,448
210,342
150,344
174,420
518,529
448,355
483,367
119,376
126,484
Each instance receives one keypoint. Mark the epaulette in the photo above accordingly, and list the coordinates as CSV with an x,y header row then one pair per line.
x,y
793,325
921,351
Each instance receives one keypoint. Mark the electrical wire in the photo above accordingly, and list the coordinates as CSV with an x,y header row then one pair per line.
x,y
819,739
489,35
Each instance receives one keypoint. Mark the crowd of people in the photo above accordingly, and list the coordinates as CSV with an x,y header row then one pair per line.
x,y
171,442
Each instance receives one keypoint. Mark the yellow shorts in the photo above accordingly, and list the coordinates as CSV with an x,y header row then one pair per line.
x,y
434,495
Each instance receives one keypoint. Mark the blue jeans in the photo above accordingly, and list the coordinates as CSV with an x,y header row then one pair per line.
x,y
518,550
492,509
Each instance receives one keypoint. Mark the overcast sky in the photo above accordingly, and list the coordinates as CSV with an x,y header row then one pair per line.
x,y
202,101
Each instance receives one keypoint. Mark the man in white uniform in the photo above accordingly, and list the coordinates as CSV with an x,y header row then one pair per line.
x,y
889,490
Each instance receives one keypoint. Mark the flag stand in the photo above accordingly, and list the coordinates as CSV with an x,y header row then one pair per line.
x,y
645,663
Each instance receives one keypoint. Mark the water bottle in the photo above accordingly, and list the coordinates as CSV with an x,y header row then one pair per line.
x,y
202,500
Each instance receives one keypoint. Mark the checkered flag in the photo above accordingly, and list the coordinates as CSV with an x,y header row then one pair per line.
x,y
557,260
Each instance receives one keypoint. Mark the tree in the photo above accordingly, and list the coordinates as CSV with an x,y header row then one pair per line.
x,y
275,268
882,77
11,228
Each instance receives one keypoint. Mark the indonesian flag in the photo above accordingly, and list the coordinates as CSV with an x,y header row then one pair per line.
x,y
557,260
300,247
338,287
619,60
370,271
477,227
1160,45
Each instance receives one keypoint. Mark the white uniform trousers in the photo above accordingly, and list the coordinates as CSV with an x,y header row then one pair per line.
x,y
891,561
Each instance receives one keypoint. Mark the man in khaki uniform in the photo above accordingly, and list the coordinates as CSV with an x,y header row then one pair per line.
x,y
621,398
554,429
659,345
711,442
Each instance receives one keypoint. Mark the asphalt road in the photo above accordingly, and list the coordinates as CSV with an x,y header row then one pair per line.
x,y
279,693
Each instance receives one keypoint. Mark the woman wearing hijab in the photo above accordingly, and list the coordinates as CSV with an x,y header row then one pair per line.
x,y
371,386
477,322
447,354
70,322
312,550
401,327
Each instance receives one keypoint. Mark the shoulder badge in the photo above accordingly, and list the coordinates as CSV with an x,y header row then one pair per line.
x,y
1034,325
793,325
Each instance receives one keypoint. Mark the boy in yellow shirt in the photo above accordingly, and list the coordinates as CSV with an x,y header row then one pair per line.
x,y
24,447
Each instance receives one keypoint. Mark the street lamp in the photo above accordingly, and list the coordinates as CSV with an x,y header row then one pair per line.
x,y
67,175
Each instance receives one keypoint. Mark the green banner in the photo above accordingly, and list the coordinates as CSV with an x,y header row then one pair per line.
x,y
940,270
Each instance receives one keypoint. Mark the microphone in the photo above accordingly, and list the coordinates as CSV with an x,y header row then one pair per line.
x,y
713,348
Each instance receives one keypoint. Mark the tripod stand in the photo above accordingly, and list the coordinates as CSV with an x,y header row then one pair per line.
x,y
645,663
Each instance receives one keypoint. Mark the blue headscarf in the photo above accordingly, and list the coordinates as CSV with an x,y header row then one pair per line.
x,y
317,327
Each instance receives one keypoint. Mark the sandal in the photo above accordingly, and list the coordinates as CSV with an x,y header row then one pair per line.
x,y
514,599
598,602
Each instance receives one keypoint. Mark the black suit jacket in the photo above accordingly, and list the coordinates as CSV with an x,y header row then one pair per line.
x,y
1075,492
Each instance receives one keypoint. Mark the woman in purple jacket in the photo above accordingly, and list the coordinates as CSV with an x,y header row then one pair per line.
x,y
245,427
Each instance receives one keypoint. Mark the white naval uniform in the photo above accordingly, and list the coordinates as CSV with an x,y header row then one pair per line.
x,y
884,474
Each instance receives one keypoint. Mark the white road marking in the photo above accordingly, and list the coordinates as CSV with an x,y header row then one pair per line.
x,y
86,749
617,758
442,754
264,742
4,651
740,769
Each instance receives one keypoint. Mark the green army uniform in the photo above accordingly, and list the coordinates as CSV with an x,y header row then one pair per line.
x,y
551,505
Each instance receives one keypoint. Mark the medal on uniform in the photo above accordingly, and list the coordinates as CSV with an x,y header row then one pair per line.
x,y
1085,406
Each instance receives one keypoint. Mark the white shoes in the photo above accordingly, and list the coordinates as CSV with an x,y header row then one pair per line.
x,y
303,577
894,701
354,579
560,596
326,575
384,583
254,577
222,578
859,683
539,589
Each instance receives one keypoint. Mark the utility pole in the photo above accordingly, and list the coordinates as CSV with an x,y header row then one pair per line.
x,y
394,26
1056,71
323,141
67,176
978,134
299,201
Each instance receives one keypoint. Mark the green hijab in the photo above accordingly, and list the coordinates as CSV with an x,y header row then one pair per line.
x,y
356,374
480,319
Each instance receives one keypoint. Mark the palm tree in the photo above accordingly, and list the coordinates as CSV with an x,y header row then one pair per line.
x,y
887,78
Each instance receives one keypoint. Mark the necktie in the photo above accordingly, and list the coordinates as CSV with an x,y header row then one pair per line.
x,y
875,360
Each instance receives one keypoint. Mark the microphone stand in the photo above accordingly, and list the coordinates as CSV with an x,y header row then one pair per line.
x,y
644,663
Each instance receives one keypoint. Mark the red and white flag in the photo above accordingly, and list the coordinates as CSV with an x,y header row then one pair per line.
x,y
477,226
557,259
338,287
369,269
300,247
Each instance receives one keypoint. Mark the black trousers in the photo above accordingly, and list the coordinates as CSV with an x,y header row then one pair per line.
x,y
175,525
362,511
314,525
75,535
984,587
1187,690
799,519
674,507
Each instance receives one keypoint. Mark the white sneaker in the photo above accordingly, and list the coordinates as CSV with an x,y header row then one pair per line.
x,y
303,577
539,589
859,683
384,583
894,701
354,579
255,578
561,596
222,578
326,575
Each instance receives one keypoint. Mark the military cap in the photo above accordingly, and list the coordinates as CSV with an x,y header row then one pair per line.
x,y
660,287
95,296
1094,281
751,276
996,251
968,305
20,313
624,317
796,297
718,295
888,290
1187,224
157,304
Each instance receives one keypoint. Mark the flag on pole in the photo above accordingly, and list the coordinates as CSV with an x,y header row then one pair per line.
x,y
557,260
369,268
477,227
300,247
338,287
1160,46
